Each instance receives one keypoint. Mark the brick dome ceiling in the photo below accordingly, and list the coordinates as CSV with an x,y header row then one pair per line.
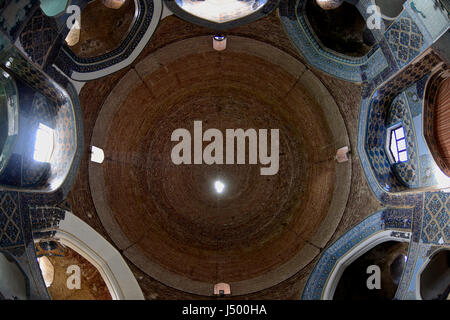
x,y
169,219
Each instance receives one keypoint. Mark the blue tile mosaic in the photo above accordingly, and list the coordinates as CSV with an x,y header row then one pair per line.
x,y
68,62
38,36
391,219
436,218
10,222
407,172
405,39
373,132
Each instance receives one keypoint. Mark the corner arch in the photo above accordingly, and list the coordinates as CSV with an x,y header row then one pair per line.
x,y
79,236
419,287
352,256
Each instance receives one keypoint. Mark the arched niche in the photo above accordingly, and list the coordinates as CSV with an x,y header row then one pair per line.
x,y
123,38
341,30
69,276
391,268
42,140
435,278
95,41
74,233
390,257
13,282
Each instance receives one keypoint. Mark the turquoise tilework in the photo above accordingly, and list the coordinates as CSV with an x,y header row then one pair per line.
x,y
408,172
340,66
372,127
395,220
405,39
431,19
436,218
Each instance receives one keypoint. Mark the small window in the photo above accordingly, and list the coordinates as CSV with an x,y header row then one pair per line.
x,y
47,270
222,289
43,146
97,154
398,145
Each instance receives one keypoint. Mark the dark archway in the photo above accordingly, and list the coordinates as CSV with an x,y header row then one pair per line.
x,y
13,282
116,24
390,257
342,30
435,278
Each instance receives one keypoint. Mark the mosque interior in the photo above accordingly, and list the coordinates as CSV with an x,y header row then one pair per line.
x,y
354,93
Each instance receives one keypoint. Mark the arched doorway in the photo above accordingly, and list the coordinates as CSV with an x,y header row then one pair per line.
x,y
435,277
343,30
390,257
13,283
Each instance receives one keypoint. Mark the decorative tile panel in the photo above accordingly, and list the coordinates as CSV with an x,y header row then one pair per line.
x,y
10,223
405,39
372,126
38,36
395,219
407,172
352,69
436,218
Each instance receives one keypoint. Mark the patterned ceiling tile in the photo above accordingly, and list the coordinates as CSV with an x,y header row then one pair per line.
x,y
38,36
407,172
436,220
10,225
405,39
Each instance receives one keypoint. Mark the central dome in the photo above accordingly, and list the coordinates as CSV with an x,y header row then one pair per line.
x,y
171,220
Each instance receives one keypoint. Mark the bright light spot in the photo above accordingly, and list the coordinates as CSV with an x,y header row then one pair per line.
x,y
443,182
9,62
73,37
97,154
398,145
43,146
219,186
47,270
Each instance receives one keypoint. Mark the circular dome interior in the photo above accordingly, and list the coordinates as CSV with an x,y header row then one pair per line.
x,y
170,219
